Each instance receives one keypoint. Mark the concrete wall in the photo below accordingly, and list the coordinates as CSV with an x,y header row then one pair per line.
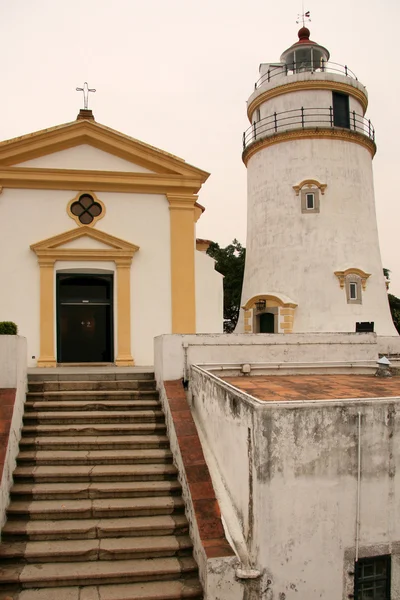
x,y
13,374
296,463
217,574
209,295
173,352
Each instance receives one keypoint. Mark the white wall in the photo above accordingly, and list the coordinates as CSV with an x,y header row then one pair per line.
x,y
297,254
33,215
13,374
306,76
83,157
209,295
174,354
319,100
296,463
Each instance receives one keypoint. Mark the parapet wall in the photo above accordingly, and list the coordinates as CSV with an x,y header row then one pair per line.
x,y
13,377
174,354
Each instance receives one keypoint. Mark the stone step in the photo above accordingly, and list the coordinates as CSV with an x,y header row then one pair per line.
x,y
95,429
87,417
86,509
107,473
95,457
122,384
105,442
76,529
42,575
91,375
72,405
155,590
96,549
69,491
108,395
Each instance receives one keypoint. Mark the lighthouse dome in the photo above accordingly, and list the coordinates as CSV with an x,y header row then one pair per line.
x,y
305,55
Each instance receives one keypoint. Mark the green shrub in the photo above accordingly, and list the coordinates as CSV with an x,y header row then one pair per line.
x,y
8,328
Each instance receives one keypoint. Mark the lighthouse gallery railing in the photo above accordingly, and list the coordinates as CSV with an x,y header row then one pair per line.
x,y
303,67
306,118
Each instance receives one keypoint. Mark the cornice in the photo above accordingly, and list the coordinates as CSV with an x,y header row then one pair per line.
x,y
45,247
100,181
309,183
182,201
73,134
297,86
344,135
341,275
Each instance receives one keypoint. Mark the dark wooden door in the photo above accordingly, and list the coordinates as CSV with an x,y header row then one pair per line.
x,y
341,110
84,318
267,323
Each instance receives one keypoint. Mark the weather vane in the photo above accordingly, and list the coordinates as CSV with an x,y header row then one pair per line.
x,y
304,17
85,91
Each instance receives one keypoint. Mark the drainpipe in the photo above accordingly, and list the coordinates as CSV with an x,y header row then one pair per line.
x,y
358,487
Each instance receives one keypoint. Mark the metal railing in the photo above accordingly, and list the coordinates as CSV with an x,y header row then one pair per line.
x,y
306,118
304,67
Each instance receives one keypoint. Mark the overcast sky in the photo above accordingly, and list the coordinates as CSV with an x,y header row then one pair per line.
x,y
177,73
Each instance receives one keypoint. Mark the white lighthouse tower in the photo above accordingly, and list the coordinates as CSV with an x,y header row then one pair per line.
x,y
313,261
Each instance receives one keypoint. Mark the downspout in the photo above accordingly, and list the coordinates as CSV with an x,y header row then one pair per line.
x,y
358,487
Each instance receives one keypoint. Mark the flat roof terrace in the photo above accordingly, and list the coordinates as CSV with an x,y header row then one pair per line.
x,y
278,388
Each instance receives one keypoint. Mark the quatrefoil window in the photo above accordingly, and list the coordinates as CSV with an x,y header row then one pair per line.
x,y
86,209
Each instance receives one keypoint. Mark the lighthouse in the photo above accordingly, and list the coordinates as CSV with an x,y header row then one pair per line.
x,y
313,262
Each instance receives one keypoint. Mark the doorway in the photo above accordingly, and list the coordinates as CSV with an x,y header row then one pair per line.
x,y
85,331
267,322
341,110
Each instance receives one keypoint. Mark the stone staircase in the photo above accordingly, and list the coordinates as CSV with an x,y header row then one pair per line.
x,y
96,511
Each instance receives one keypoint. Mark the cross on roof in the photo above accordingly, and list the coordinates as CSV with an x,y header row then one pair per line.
x,y
85,89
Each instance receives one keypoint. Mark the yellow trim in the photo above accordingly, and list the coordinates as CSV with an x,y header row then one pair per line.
x,y
298,86
344,135
48,252
182,234
95,219
270,300
47,354
309,183
285,311
69,135
202,245
101,181
124,357
341,275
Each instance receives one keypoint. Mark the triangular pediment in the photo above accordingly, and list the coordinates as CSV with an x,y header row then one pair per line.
x,y
70,135
94,244
84,158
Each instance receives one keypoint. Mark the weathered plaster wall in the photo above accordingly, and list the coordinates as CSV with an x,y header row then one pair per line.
x,y
301,471
214,556
227,429
172,352
13,376
297,254
306,489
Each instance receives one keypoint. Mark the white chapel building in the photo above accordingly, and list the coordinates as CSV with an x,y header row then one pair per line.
x,y
98,246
